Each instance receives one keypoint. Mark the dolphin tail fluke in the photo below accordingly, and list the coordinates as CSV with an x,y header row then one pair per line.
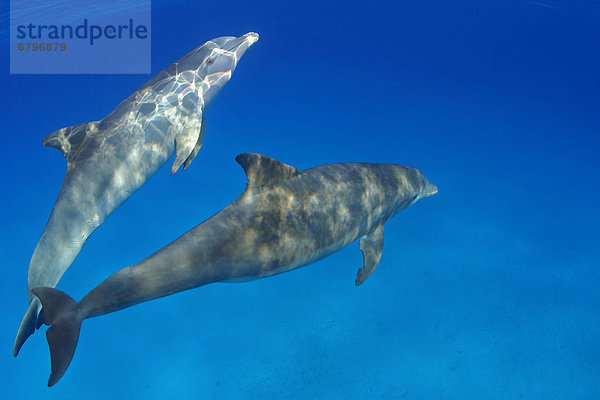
x,y
60,312
30,322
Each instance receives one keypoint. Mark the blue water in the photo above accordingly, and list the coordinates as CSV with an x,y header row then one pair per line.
x,y
488,290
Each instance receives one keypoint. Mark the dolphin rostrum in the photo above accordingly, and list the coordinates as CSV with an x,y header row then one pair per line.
x,y
285,219
108,160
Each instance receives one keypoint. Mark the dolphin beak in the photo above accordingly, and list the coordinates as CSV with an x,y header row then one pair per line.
x,y
242,44
429,190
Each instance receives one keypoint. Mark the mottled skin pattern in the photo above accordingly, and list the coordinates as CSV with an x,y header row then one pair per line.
x,y
268,230
110,159
285,219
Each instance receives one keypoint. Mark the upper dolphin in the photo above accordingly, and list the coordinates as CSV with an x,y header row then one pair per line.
x,y
285,219
108,160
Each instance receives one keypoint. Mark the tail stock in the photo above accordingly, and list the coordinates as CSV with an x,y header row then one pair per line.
x,y
60,312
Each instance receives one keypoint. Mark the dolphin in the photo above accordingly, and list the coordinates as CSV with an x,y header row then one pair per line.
x,y
108,160
285,219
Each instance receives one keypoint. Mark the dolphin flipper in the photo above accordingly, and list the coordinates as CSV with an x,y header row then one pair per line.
x,y
198,143
186,141
29,323
371,246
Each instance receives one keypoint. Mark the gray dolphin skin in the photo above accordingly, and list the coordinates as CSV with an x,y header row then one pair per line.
x,y
108,160
285,219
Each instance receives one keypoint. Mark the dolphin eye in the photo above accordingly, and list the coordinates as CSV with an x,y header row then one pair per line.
x,y
209,61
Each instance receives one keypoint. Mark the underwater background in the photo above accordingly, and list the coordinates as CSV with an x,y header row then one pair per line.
x,y
487,290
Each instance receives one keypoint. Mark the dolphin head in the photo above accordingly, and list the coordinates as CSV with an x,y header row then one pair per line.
x,y
221,56
413,183
422,186
428,189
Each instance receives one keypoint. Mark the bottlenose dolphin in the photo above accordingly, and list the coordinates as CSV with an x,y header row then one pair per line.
x,y
285,219
108,160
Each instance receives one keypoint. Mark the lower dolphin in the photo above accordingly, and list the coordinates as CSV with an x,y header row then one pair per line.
x,y
285,219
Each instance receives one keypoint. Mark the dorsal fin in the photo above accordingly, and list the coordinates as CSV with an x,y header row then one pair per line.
x,y
262,170
70,138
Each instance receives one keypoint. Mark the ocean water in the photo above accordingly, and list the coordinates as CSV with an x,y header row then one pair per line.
x,y
487,290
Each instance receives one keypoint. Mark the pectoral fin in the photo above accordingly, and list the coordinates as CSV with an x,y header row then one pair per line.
x,y
187,142
371,245
198,144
